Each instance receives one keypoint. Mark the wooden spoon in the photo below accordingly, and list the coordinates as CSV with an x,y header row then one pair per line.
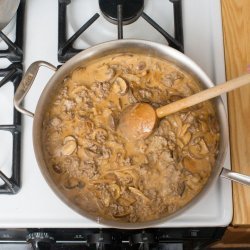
x,y
138,120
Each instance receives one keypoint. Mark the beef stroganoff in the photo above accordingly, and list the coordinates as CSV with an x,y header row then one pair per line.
x,y
109,176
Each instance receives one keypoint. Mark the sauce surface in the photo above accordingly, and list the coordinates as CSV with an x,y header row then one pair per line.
x,y
109,176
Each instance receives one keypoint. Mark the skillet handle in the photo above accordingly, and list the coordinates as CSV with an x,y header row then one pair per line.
x,y
26,84
234,176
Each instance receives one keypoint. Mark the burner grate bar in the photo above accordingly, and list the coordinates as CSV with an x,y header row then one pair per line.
x,y
120,21
13,53
68,44
178,25
9,72
12,185
8,77
20,24
172,41
10,128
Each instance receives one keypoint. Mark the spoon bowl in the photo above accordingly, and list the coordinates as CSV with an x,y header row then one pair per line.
x,y
137,121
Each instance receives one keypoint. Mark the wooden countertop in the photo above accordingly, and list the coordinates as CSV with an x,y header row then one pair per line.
x,y
236,26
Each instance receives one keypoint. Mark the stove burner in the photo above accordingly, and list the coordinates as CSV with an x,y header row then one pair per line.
x,y
131,10
120,10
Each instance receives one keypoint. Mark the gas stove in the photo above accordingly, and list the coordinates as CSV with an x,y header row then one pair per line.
x,y
55,31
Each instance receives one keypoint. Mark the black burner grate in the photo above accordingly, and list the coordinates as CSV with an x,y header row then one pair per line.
x,y
13,74
65,46
12,185
14,51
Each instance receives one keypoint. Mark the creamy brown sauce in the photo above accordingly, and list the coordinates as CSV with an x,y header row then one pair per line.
x,y
109,176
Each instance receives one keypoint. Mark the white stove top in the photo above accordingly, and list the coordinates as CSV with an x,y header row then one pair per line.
x,y
36,205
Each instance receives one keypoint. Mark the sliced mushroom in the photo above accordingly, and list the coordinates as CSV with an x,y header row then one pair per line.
x,y
68,138
69,145
115,190
186,138
126,201
120,86
71,183
105,198
121,103
183,129
104,73
184,135
199,150
139,193
153,95
132,78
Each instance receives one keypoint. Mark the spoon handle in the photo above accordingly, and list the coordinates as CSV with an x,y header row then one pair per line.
x,y
203,96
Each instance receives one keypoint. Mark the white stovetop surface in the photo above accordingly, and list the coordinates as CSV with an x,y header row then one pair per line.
x,y
36,205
